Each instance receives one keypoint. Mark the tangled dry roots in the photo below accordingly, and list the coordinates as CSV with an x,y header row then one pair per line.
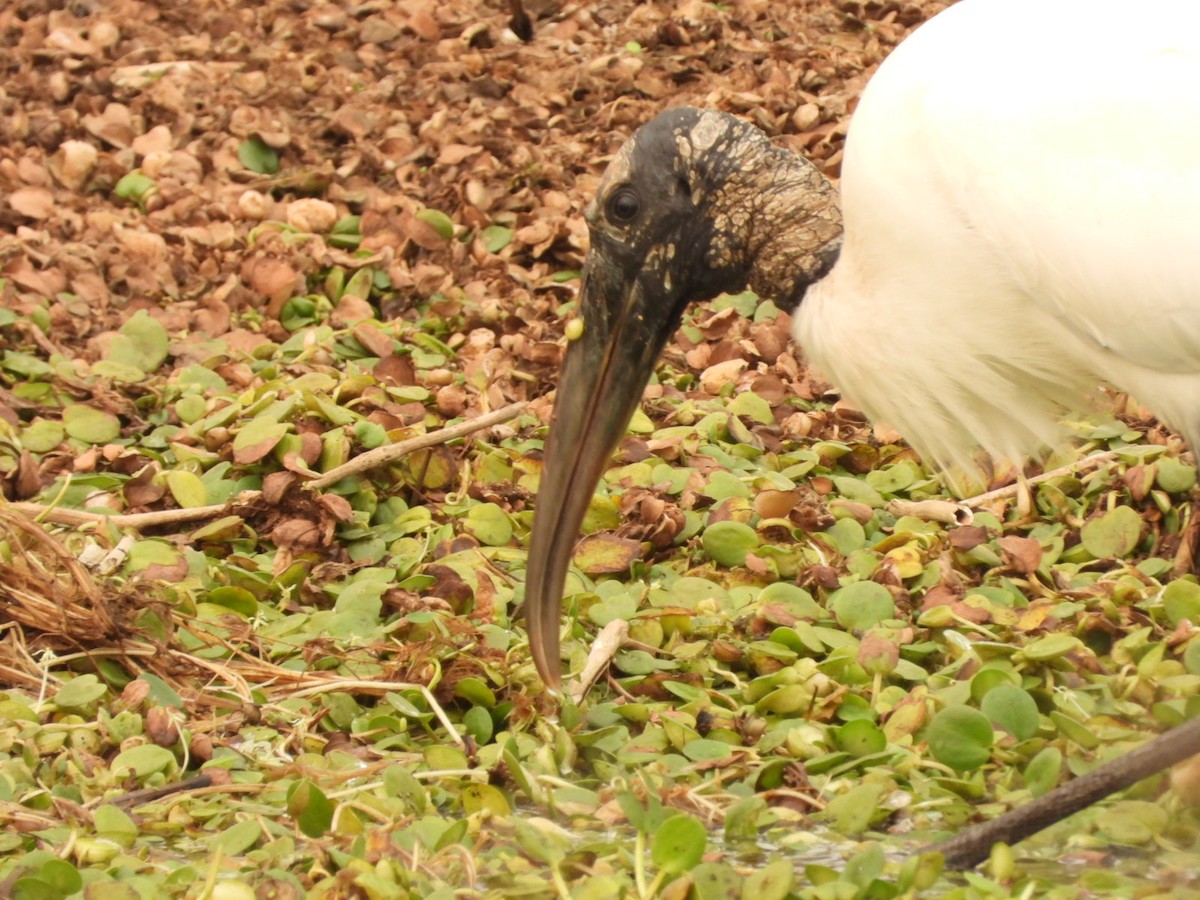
x,y
43,586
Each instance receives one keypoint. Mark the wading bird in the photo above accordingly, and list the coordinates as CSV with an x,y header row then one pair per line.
x,y
1021,196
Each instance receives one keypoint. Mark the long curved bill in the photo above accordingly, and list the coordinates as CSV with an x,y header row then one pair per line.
x,y
603,375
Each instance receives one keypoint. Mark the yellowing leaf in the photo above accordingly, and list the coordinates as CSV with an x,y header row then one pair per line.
x,y
604,554
256,439
187,489
438,221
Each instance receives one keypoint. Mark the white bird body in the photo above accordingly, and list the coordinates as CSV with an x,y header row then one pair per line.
x,y
1021,194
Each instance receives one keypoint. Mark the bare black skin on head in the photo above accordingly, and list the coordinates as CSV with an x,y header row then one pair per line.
x,y
694,204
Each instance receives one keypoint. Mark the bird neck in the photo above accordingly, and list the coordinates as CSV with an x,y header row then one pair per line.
x,y
795,234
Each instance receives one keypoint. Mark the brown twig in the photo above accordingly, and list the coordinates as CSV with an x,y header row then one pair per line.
x,y
1010,490
149,795
135,521
372,459
382,456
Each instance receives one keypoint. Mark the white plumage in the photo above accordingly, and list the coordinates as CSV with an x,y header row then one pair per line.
x,y
1021,193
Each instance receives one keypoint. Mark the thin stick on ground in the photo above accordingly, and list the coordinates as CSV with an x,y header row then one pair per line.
x,y
372,459
382,456
149,795
1010,490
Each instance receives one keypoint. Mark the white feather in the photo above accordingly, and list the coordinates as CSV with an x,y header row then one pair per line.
x,y
1021,191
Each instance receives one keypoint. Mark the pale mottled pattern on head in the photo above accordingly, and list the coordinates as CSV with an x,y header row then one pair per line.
x,y
773,217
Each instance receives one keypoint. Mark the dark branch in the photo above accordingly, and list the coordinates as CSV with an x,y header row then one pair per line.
x,y
973,846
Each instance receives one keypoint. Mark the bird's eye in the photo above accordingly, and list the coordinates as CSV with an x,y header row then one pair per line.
x,y
624,206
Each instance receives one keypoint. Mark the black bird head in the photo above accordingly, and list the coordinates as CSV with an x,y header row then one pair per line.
x,y
694,204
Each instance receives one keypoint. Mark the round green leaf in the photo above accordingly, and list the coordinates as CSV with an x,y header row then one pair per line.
x,y
1181,601
723,485
773,881
496,238
310,808
702,749
370,435
892,479
144,760
861,737
727,543
796,599
1173,476
710,881
1191,657
678,844
79,693
256,156
603,514
478,723
42,435
240,838
135,187
187,489
636,662
862,605
115,825
474,691
62,876
440,757
853,812
752,406
141,343
1052,646
987,679
960,737
1113,534
1012,709
237,599
1074,731
90,425
1133,822
855,707
190,408
489,524
1041,773
790,699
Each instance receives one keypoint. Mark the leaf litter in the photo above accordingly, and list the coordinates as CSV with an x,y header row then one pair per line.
x,y
259,594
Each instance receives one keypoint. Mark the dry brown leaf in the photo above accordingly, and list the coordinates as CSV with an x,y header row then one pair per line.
x,y
32,202
1022,553
717,376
